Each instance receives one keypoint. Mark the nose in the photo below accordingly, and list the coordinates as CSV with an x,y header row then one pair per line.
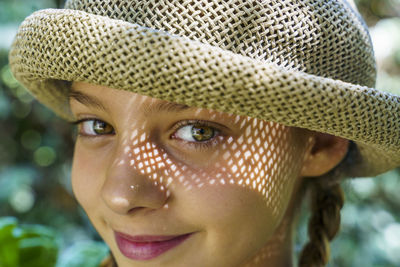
x,y
127,189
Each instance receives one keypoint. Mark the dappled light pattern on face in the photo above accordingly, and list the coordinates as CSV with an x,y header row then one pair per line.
x,y
261,156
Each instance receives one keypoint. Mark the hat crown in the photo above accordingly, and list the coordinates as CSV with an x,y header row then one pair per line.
x,y
320,37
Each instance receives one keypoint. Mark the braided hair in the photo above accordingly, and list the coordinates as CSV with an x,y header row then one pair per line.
x,y
327,199
323,225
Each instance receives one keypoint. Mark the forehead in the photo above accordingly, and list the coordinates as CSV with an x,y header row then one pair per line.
x,y
111,100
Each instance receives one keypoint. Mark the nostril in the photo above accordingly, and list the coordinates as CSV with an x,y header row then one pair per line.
x,y
134,210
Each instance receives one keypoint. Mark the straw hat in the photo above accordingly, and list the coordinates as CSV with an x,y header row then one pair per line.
x,y
308,64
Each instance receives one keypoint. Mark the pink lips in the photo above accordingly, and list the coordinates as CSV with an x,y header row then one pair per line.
x,y
147,247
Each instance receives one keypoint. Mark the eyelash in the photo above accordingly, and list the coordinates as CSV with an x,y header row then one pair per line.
x,y
199,145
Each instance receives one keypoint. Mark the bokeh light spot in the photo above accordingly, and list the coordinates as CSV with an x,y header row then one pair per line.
x,y
44,156
31,139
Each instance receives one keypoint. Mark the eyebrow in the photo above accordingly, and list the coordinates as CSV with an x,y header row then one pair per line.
x,y
86,100
160,106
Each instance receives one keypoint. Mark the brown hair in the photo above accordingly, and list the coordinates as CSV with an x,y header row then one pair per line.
x,y
323,225
327,199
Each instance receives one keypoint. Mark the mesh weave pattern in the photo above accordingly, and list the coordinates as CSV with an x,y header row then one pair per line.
x,y
241,57
292,34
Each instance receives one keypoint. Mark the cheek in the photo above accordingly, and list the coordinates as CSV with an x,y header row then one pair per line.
x,y
86,176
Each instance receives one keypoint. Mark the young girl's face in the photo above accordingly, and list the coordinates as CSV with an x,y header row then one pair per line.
x,y
169,185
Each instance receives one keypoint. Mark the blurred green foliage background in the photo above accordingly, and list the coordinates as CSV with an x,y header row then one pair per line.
x,y
39,216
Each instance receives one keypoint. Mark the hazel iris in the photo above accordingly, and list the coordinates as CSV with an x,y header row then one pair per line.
x,y
202,132
101,127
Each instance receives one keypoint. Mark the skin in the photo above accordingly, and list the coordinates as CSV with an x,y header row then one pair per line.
x,y
142,173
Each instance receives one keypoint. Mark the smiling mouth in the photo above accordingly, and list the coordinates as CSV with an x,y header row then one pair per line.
x,y
147,247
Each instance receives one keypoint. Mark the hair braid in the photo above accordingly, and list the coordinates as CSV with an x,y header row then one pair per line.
x,y
326,203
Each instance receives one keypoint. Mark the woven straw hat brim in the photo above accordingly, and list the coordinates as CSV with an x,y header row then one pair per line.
x,y
67,45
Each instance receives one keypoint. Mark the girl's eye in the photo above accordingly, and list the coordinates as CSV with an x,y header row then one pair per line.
x,y
94,127
196,133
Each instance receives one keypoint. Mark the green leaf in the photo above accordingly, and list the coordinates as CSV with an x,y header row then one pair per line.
x,y
84,254
8,243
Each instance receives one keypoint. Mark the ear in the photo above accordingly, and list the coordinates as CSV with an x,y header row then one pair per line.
x,y
326,152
